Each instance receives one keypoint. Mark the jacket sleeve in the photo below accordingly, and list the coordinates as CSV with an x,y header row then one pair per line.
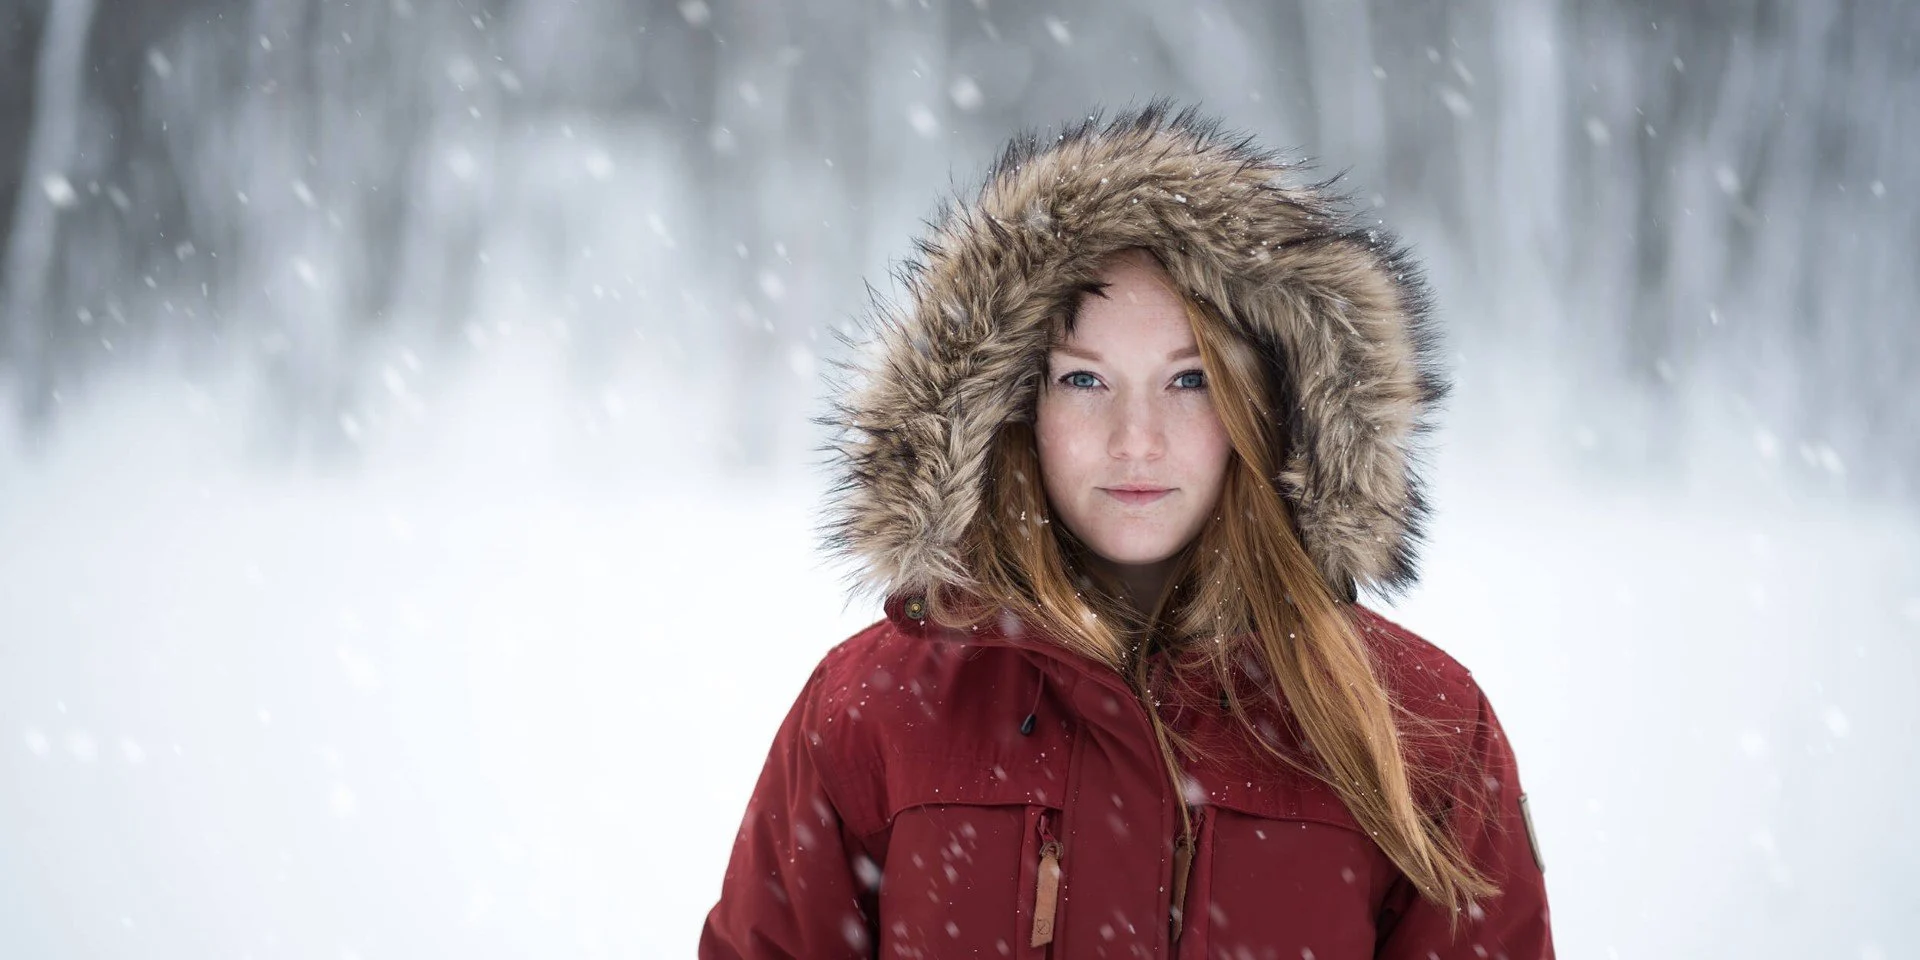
x,y
794,884
1515,923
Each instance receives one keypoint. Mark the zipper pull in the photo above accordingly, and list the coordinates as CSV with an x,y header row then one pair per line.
x,y
1182,866
1046,893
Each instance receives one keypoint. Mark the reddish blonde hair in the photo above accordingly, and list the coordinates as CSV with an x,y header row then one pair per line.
x,y
1243,592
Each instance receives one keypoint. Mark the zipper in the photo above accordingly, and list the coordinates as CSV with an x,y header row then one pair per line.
x,y
1182,869
1046,894
1047,885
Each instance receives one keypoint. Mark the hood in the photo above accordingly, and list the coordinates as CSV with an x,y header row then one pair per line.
x,y
1334,303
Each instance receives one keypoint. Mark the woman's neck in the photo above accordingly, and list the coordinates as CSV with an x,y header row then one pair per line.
x,y
1140,583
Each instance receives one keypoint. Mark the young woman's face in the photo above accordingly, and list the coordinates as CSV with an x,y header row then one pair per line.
x,y
1132,455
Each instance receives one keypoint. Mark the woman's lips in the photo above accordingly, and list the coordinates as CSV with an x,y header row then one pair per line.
x,y
1135,497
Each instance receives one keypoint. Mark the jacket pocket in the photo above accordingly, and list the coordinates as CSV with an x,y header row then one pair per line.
x,y
1289,881
961,879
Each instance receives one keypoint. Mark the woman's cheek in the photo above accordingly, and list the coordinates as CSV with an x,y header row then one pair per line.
x,y
1069,439
1199,434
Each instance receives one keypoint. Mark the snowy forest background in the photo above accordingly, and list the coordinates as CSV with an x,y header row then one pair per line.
x,y
407,489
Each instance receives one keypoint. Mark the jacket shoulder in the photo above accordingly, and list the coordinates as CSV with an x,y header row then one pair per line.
x,y
1443,702
879,672
891,709
1416,671
878,645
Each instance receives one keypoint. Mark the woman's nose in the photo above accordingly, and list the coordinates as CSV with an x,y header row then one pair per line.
x,y
1137,432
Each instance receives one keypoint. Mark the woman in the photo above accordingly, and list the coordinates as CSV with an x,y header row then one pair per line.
x,y
1119,470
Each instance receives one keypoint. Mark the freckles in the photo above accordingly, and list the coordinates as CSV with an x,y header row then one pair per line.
x,y
1206,432
1201,432
1067,434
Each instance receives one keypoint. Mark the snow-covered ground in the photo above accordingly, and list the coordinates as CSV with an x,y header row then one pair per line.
x,y
477,700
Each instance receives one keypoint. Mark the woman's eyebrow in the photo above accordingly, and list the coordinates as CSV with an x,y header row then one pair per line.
x,y
1181,354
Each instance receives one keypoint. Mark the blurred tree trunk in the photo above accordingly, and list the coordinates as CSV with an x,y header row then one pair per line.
x,y
58,86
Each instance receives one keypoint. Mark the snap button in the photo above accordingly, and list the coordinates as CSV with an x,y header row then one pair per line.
x,y
917,608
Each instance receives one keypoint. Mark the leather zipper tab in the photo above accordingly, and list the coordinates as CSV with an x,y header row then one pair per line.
x,y
1182,867
1046,894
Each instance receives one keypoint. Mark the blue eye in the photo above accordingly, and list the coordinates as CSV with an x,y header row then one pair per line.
x,y
1198,380
1075,380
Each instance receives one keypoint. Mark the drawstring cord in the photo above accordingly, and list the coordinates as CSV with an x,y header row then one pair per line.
x,y
1033,713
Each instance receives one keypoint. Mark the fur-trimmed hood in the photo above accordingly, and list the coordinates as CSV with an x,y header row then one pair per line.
x,y
1335,301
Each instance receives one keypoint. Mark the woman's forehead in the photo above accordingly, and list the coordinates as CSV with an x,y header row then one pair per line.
x,y
1138,313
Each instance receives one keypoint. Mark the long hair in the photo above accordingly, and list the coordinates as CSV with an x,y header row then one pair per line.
x,y
1244,597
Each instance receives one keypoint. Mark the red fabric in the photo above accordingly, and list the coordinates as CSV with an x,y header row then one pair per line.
x,y
901,811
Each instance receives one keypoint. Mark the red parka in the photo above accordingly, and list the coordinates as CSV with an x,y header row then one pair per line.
x,y
986,793
902,812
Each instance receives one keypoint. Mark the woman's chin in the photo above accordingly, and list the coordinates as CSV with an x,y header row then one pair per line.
x,y
1134,553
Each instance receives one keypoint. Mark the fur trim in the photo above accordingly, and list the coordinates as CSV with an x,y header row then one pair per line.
x,y
1341,307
